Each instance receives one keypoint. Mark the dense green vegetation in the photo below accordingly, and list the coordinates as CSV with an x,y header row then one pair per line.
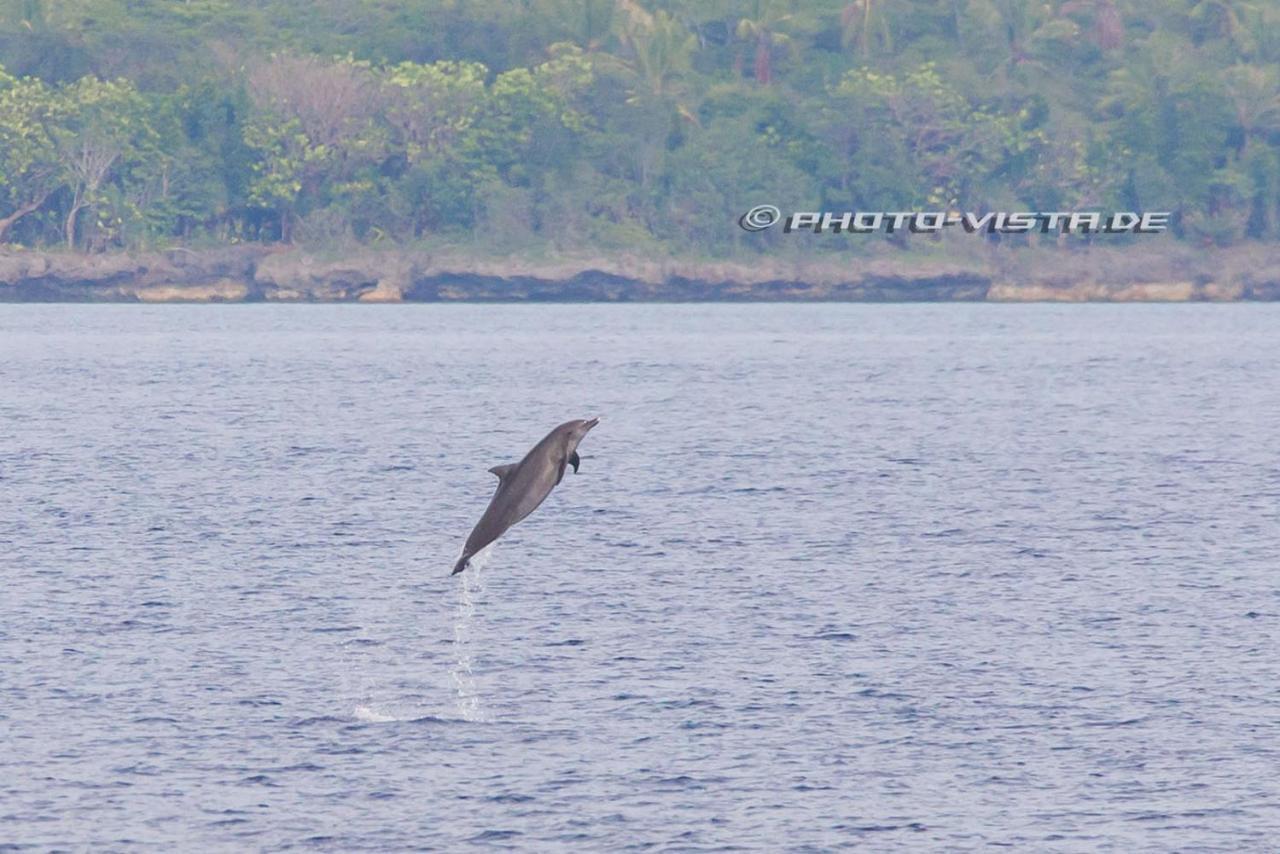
x,y
622,124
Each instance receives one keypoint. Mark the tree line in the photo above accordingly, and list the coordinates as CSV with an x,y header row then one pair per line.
x,y
620,124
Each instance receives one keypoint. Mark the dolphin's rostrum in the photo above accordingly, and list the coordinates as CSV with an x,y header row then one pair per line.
x,y
522,486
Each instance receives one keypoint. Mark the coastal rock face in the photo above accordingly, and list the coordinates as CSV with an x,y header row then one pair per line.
x,y
1094,292
223,290
179,274
1263,285
284,274
261,274
297,277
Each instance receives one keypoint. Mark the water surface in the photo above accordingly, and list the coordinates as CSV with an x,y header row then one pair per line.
x,y
913,577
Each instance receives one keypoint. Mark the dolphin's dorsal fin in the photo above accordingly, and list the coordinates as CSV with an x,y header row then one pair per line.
x,y
503,472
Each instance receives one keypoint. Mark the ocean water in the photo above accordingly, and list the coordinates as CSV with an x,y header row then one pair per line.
x,y
910,577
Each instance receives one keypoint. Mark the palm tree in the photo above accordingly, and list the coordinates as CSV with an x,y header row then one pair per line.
x,y
765,28
589,21
1230,19
1108,25
863,25
1254,93
663,48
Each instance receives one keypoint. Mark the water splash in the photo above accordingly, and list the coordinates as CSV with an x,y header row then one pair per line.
x,y
367,714
466,695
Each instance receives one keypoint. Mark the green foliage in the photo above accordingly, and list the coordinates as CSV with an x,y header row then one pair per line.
x,y
30,168
646,125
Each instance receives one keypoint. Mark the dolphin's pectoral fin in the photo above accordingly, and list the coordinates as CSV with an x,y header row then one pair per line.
x,y
503,471
574,460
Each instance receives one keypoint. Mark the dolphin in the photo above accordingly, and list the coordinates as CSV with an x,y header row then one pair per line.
x,y
522,486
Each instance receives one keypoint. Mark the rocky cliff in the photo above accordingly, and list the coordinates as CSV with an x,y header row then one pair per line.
x,y
274,274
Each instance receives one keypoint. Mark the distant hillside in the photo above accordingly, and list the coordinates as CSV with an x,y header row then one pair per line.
x,y
621,126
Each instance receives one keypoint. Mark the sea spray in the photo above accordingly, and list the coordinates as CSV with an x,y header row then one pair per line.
x,y
471,586
369,715
359,654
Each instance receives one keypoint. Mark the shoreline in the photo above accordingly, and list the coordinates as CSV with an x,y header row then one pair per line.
x,y
257,273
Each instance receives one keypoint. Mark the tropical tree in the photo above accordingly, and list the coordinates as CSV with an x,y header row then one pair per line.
x,y
106,132
1254,94
661,47
1017,42
588,22
766,28
1227,19
952,145
314,131
865,27
428,107
1107,24
30,168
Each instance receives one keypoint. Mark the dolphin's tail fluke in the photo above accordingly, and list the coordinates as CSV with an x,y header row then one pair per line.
x,y
461,564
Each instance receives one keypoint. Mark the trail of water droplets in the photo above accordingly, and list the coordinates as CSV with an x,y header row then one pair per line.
x,y
467,697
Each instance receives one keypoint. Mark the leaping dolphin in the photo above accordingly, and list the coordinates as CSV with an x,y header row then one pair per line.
x,y
522,486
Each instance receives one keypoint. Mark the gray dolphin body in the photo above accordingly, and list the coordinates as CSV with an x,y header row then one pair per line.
x,y
522,486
